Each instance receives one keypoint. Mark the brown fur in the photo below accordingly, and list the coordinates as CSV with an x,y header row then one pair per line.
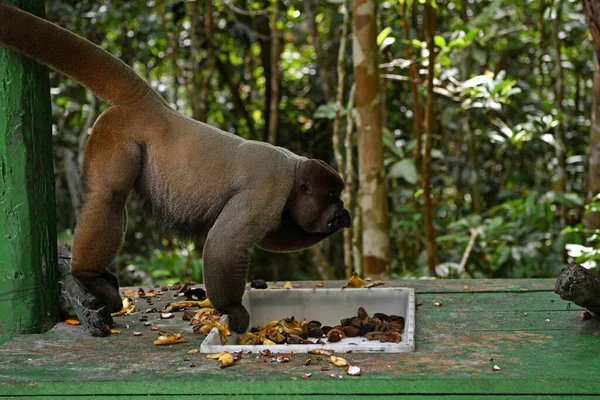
x,y
193,177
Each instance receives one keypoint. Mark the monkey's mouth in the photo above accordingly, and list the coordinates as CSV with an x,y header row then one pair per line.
x,y
342,220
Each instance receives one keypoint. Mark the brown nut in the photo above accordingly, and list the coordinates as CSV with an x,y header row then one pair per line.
x,y
377,323
315,332
394,327
391,337
294,339
362,314
381,316
335,335
326,329
356,322
373,335
314,324
351,331
366,328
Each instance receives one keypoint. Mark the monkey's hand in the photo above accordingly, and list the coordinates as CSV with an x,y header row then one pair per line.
x,y
104,288
239,319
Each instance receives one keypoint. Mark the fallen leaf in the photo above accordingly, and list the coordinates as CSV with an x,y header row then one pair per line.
x,y
72,322
193,351
268,342
373,284
114,332
338,361
288,285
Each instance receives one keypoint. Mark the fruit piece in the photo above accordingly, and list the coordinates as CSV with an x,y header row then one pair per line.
x,y
355,281
353,370
338,361
225,360
259,284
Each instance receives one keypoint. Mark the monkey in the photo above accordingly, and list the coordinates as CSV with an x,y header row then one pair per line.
x,y
193,177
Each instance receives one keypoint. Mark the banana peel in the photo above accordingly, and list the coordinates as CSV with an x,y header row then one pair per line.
x,y
338,361
182,305
226,360
128,308
291,326
168,338
355,281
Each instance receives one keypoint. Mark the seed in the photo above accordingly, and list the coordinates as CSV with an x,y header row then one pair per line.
x,y
335,335
315,332
351,331
258,284
362,314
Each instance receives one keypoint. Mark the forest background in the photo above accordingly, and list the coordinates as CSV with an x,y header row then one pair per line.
x,y
464,129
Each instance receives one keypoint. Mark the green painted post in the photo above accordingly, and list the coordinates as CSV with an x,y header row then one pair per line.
x,y
27,214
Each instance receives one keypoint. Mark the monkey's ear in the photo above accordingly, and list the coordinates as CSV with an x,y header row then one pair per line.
x,y
305,185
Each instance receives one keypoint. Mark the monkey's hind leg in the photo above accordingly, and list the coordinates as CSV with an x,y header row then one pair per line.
x,y
110,172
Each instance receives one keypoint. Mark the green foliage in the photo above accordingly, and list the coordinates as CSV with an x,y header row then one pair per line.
x,y
494,151
517,238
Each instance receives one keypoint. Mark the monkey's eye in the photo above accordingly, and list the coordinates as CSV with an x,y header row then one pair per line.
x,y
332,194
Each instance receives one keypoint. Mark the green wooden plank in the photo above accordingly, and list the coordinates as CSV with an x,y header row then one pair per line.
x,y
455,354
27,215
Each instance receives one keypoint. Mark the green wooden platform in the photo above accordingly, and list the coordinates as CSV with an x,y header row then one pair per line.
x,y
541,344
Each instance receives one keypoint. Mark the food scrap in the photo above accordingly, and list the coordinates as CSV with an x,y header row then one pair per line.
x,y
355,281
72,322
165,338
338,361
353,370
128,308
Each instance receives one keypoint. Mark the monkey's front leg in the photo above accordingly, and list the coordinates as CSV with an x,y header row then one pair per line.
x,y
226,256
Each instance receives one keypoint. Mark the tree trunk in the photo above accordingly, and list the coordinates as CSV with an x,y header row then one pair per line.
x,y
210,62
592,220
373,199
348,196
346,170
324,73
429,113
560,178
275,57
28,259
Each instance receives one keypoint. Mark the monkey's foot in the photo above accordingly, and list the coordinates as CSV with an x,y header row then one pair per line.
x,y
239,319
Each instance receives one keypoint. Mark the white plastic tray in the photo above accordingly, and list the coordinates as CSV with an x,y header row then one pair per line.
x,y
327,306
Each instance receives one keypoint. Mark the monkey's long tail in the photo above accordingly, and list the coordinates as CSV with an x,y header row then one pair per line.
x,y
105,75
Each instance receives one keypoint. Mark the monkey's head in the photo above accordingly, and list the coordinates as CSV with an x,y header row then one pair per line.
x,y
315,202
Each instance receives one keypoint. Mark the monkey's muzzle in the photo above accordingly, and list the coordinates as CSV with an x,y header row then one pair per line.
x,y
342,220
